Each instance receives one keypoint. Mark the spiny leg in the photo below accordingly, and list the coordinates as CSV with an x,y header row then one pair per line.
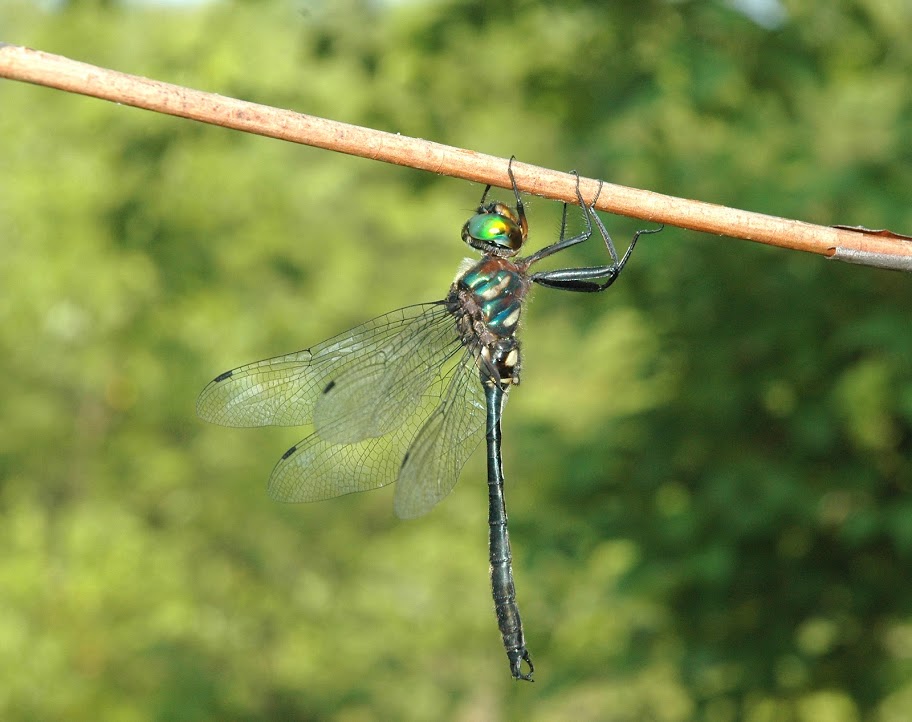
x,y
591,279
563,243
520,208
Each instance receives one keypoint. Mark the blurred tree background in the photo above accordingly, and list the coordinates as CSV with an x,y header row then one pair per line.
x,y
709,468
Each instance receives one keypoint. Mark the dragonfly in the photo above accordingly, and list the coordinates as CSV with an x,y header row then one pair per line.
x,y
404,397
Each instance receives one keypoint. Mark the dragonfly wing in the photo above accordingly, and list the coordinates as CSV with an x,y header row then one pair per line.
x,y
282,391
440,450
373,396
317,469
277,391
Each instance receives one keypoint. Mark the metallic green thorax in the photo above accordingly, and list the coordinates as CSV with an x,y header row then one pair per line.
x,y
486,302
498,289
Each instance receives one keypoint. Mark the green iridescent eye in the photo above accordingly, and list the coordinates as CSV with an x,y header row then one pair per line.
x,y
494,229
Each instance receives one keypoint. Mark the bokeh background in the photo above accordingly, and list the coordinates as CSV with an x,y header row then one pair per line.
x,y
709,468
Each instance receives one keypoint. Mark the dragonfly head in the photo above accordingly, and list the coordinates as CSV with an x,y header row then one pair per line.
x,y
496,229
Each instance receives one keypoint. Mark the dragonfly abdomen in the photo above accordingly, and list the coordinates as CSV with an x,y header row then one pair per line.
x,y
502,585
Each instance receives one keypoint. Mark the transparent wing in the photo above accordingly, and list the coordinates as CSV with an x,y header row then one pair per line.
x,y
372,396
317,469
283,391
442,447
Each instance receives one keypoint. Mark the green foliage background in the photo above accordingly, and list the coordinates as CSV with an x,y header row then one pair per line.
x,y
709,467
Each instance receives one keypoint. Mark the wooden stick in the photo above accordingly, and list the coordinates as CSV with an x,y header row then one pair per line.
x,y
880,248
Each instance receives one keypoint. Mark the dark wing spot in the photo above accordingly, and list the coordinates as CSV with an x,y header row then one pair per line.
x,y
329,387
222,377
404,459
288,453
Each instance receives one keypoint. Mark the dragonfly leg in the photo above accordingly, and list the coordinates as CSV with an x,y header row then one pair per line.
x,y
564,243
520,208
591,279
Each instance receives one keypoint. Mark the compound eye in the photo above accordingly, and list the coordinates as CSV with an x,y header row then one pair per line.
x,y
495,230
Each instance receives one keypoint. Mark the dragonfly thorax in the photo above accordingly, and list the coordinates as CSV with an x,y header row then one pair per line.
x,y
486,301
